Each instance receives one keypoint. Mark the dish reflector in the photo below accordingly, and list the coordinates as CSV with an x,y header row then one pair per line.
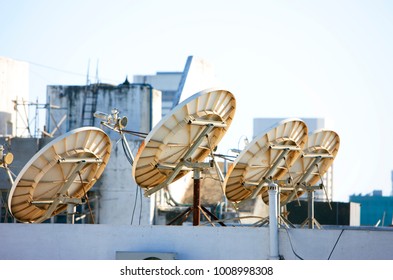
x,y
317,157
267,158
187,134
60,173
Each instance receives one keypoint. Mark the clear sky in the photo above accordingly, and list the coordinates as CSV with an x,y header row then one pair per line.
x,y
328,59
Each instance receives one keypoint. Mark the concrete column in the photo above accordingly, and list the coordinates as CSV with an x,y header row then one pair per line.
x,y
273,221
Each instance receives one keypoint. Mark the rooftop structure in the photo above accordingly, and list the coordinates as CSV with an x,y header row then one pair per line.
x,y
175,87
14,91
183,141
376,209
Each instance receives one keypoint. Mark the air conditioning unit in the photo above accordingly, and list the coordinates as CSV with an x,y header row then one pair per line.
x,y
126,255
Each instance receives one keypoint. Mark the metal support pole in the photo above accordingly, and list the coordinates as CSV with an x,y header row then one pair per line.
x,y
196,215
273,221
61,194
310,220
285,151
71,209
310,210
10,175
306,176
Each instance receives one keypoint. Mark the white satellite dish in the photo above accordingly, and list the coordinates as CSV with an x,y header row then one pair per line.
x,y
5,160
60,174
317,157
266,159
182,140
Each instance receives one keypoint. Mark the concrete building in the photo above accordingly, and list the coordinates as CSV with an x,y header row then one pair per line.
x,y
115,198
167,82
123,230
14,91
116,191
76,105
197,75
376,209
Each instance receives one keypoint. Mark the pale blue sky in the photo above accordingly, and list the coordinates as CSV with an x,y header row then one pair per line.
x,y
330,59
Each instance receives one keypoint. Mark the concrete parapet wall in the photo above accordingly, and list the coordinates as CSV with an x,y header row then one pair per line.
x,y
92,242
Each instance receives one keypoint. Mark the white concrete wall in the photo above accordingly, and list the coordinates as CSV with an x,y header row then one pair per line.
x,y
121,202
167,82
161,80
6,124
337,244
139,103
14,85
92,242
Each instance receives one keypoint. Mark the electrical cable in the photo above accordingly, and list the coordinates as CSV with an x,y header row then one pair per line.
x,y
138,193
324,188
5,207
135,202
63,71
126,152
136,133
226,157
216,165
291,181
290,242
140,209
221,183
87,198
335,244
231,219
130,161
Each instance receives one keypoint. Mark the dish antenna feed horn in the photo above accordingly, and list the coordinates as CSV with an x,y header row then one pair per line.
x,y
118,124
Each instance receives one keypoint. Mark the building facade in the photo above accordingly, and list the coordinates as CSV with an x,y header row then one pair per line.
x,y
167,82
197,75
14,91
119,199
376,209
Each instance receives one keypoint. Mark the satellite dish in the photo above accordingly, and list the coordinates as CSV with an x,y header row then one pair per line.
x,y
181,141
266,159
60,174
186,135
317,157
5,160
